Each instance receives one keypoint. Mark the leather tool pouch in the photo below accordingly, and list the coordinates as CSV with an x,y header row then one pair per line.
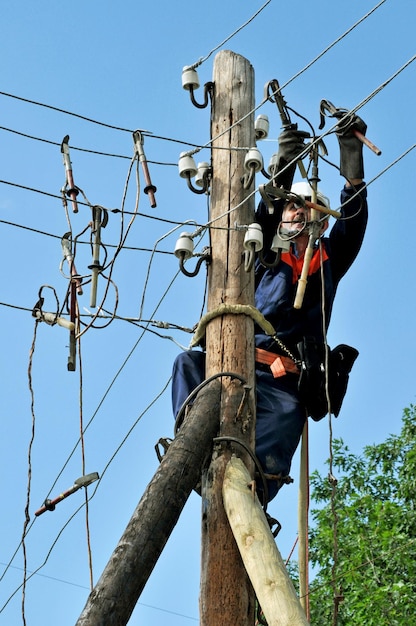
x,y
313,378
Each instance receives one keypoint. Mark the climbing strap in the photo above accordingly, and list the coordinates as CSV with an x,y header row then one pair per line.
x,y
279,365
233,309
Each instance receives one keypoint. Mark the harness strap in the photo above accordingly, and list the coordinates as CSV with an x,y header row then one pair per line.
x,y
279,365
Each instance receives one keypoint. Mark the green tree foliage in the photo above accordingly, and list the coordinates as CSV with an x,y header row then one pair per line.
x,y
363,544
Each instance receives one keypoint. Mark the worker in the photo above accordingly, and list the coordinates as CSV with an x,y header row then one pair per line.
x,y
294,366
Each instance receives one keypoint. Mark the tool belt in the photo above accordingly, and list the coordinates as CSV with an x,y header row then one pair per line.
x,y
279,365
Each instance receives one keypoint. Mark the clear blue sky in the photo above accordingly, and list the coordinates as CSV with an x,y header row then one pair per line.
x,y
121,64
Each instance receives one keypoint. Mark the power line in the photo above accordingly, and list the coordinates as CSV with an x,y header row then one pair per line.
x,y
125,247
72,584
151,135
59,110
331,45
203,59
98,152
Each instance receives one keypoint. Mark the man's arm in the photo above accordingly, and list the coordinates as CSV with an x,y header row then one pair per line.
x,y
347,234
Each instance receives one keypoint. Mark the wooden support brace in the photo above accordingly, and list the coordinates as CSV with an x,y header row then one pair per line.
x,y
260,555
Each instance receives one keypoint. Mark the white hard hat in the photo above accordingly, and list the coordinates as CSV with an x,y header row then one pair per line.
x,y
304,190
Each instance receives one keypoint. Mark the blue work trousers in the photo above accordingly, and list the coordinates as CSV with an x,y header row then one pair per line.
x,y
280,416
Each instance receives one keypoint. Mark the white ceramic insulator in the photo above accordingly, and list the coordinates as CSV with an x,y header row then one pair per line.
x,y
280,244
254,236
273,163
203,168
261,127
186,165
253,160
190,78
184,246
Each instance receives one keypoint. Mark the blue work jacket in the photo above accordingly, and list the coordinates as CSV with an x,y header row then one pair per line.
x,y
276,286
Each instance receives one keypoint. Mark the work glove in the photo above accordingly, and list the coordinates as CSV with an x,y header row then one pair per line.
x,y
351,148
291,145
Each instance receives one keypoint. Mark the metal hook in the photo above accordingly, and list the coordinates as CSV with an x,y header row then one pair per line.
x,y
273,263
249,258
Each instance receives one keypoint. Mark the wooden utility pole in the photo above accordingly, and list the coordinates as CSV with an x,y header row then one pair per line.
x,y
226,596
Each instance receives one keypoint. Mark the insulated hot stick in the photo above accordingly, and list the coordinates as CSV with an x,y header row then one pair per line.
x,y
149,189
83,481
72,339
95,267
314,230
72,191
74,288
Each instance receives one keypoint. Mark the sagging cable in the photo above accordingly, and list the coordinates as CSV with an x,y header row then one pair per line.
x,y
50,318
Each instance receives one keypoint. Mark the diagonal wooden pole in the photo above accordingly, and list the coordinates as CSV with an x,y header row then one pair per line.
x,y
115,595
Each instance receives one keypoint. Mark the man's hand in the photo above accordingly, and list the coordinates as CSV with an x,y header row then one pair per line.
x,y
351,148
291,145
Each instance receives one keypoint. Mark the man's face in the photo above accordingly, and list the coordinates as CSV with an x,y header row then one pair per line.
x,y
295,216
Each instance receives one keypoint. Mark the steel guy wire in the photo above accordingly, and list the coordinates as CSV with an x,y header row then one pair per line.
x,y
101,153
108,245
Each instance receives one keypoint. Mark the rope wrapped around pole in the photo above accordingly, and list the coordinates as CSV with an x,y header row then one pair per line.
x,y
234,309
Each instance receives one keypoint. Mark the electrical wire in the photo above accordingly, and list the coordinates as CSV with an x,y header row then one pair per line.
x,y
203,59
154,250
119,447
59,110
238,122
334,43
